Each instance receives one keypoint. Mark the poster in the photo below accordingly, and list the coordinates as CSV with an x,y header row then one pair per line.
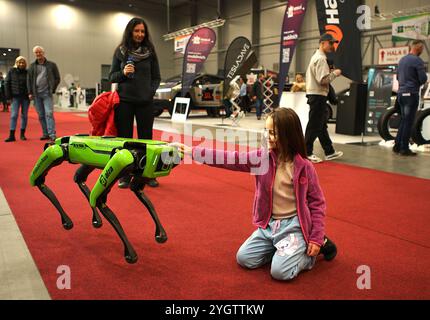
x,y
380,88
181,43
415,27
392,56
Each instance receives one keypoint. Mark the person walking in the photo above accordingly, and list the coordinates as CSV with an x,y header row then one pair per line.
x,y
16,90
411,74
136,70
318,79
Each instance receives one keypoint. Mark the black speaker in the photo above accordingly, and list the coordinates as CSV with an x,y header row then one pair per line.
x,y
351,110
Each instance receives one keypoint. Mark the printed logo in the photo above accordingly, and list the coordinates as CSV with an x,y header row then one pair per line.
x,y
293,11
65,278
196,40
191,67
336,32
287,246
286,55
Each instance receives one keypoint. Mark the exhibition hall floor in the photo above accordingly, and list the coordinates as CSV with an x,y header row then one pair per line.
x,y
377,215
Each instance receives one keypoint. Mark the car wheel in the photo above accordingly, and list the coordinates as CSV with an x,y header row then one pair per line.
x,y
423,117
157,110
388,124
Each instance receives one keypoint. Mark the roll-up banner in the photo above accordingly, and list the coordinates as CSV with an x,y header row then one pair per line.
x,y
380,88
339,18
293,18
197,51
238,52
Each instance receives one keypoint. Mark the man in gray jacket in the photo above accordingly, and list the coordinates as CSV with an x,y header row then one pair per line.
x,y
43,80
318,79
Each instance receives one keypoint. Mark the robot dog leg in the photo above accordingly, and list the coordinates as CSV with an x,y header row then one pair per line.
x,y
80,178
121,163
137,186
52,156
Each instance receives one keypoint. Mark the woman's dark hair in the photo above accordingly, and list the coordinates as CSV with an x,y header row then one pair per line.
x,y
288,134
127,37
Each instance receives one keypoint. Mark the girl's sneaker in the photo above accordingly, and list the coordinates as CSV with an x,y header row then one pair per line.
x,y
328,250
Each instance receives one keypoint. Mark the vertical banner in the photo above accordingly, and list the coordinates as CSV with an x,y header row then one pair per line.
x,y
293,18
237,53
198,48
339,19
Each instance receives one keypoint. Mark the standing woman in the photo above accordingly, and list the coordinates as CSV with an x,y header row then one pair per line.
x,y
135,68
16,89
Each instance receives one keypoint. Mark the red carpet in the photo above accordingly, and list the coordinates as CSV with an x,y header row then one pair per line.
x,y
377,219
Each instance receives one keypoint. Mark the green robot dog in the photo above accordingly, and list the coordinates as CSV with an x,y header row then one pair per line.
x,y
117,157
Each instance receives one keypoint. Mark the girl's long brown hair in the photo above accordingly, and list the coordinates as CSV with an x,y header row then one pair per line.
x,y
288,134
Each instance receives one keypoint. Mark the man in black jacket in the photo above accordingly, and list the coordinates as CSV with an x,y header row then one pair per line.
x,y
43,80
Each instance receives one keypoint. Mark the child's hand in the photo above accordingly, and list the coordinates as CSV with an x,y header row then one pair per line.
x,y
182,148
313,249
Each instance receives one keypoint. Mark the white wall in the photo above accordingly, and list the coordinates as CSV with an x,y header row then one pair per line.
x,y
78,38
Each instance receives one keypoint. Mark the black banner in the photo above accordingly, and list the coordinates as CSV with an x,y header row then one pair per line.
x,y
339,18
237,54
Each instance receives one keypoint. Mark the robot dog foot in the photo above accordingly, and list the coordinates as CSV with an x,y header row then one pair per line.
x,y
130,257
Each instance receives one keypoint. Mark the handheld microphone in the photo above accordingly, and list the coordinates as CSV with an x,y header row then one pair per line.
x,y
130,61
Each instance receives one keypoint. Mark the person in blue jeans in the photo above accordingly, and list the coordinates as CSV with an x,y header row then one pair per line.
x,y
411,74
43,80
16,89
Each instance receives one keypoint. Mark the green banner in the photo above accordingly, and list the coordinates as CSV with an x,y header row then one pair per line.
x,y
411,27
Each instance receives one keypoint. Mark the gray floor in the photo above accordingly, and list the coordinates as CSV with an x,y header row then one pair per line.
x,y
19,276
